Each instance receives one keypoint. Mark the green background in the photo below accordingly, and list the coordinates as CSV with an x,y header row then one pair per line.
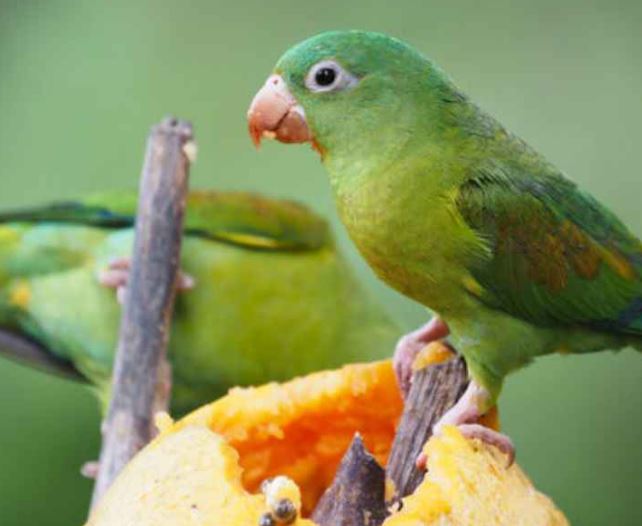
x,y
81,82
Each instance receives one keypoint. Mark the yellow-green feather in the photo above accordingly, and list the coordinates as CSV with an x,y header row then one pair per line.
x,y
273,297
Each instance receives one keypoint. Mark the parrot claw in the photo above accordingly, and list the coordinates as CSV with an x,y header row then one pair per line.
x,y
465,415
90,469
410,345
116,277
477,431
492,438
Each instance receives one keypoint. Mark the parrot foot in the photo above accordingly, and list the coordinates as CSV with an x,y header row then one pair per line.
x,y
486,435
410,345
116,277
465,415
90,469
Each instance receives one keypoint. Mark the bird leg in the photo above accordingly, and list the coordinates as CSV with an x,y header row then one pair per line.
x,y
410,345
465,415
116,277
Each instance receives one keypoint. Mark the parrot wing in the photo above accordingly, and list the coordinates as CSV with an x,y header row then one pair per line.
x,y
554,254
245,219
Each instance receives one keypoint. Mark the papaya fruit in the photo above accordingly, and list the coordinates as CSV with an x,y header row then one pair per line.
x,y
210,467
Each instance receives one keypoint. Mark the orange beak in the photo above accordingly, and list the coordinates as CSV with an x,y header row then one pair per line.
x,y
275,114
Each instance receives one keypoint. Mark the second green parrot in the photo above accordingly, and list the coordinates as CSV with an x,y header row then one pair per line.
x,y
270,297
456,212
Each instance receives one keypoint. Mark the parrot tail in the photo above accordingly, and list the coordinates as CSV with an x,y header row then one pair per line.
x,y
25,351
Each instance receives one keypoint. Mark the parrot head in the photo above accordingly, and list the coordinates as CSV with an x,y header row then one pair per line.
x,y
349,93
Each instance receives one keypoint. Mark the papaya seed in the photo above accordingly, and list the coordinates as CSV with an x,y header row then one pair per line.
x,y
285,511
267,520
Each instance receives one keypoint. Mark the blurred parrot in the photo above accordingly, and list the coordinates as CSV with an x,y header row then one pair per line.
x,y
270,295
454,211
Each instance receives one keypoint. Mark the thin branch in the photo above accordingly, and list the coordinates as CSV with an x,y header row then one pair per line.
x,y
147,312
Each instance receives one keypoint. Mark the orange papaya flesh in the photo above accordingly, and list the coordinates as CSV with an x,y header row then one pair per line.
x,y
302,428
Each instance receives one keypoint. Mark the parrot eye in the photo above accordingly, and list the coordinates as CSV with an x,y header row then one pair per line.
x,y
327,75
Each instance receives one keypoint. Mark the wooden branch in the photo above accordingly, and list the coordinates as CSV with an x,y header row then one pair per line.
x,y
435,389
356,496
144,329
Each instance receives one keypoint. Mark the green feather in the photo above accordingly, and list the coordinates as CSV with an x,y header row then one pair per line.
x,y
557,257
454,211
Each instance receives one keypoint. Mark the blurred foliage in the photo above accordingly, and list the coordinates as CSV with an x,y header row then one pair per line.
x,y
82,81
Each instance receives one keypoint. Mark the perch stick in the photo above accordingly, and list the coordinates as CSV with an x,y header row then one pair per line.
x,y
434,390
144,329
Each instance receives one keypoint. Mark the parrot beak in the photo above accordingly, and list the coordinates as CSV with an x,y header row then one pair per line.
x,y
275,114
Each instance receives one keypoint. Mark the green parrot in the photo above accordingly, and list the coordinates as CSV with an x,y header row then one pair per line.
x,y
270,297
454,211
